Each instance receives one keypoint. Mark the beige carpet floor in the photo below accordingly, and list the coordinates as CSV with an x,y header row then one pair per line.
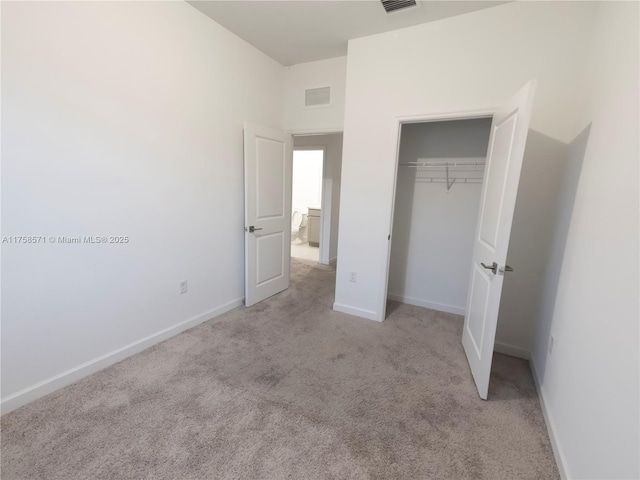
x,y
289,389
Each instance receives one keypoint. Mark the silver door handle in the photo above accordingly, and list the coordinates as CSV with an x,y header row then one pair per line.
x,y
506,268
253,229
493,267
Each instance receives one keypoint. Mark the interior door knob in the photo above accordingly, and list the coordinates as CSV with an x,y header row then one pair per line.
x,y
253,229
506,268
493,267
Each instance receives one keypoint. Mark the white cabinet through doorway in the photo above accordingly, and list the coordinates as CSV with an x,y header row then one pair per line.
x,y
313,222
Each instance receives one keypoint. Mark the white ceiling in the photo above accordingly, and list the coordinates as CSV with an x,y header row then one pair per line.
x,y
307,30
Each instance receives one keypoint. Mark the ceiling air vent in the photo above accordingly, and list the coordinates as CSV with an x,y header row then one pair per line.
x,y
317,97
395,5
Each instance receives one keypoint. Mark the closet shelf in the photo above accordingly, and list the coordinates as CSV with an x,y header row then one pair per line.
x,y
448,170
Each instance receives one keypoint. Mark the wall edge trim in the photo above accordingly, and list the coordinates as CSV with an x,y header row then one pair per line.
x,y
74,374
556,446
418,302
511,350
358,312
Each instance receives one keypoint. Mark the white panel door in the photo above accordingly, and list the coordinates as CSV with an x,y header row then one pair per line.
x,y
497,202
268,164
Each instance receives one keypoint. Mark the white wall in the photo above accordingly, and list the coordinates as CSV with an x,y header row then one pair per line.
x,y
331,189
530,245
120,118
433,229
489,55
589,384
298,78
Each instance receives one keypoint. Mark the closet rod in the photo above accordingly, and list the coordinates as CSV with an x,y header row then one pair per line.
x,y
444,162
448,170
480,165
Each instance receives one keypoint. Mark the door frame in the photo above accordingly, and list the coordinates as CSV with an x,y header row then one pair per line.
x,y
308,132
397,122
324,247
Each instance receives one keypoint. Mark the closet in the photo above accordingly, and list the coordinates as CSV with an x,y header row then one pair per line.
x,y
439,181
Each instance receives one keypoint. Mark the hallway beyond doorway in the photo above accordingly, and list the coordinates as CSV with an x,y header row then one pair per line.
x,y
304,251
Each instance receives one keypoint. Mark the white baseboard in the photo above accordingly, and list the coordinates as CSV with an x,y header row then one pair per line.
x,y
358,312
72,375
558,453
511,350
330,263
441,307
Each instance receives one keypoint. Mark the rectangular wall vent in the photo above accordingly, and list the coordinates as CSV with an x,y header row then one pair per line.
x,y
315,97
395,5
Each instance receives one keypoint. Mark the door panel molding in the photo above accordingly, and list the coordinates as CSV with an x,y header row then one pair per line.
x,y
493,231
268,163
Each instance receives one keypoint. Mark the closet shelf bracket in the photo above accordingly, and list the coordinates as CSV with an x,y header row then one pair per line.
x,y
449,183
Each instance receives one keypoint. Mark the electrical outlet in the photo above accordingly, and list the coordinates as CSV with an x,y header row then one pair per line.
x,y
551,341
353,277
183,287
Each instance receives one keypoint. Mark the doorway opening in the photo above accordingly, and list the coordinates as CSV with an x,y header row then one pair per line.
x,y
317,168
306,202
461,164
437,195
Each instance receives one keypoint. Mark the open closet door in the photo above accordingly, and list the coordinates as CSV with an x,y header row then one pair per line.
x,y
268,164
497,202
